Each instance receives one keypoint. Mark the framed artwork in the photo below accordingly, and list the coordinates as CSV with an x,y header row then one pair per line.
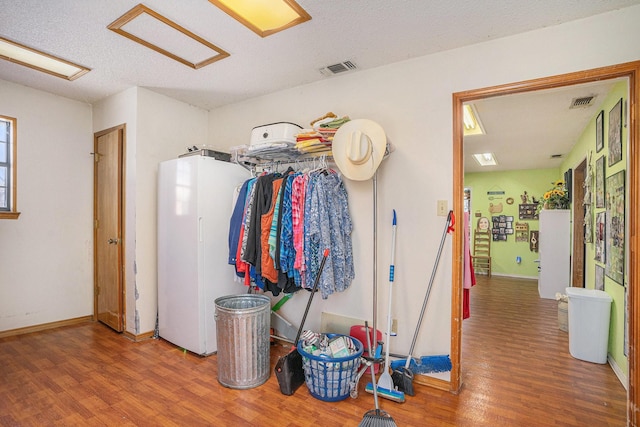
x,y
600,131
483,224
587,201
522,232
600,182
599,237
599,278
614,230
568,183
615,133
528,211
502,227
534,238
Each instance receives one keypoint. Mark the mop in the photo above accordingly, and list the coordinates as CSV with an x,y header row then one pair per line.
x,y
403,377
385,383
375,417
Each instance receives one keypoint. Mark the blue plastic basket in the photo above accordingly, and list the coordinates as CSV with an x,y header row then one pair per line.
x,y
330,379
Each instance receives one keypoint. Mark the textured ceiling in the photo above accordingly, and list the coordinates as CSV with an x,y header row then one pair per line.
x,y
370,33
525,130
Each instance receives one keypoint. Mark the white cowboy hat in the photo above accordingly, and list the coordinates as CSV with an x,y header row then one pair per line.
x,y
358,148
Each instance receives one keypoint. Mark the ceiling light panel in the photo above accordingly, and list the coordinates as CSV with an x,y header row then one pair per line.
x,y
159,33
471,121
264,17
486,159
32,58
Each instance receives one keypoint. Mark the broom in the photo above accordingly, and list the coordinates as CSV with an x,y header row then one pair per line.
x,y
403,377
375,417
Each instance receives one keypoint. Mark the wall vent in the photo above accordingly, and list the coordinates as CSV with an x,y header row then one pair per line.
x,y
338,68
556,156
582,102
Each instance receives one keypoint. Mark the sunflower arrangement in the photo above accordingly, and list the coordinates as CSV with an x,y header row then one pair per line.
x,y
557,197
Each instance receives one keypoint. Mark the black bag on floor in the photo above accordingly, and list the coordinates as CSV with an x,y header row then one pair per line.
x,y
289,370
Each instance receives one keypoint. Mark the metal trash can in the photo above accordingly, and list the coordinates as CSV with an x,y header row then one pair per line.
x,y
242,326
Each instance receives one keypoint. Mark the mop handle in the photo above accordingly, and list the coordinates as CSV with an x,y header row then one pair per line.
x,y
426,298
392,266
391,275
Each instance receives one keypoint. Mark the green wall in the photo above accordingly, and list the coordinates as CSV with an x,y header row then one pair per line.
x,y
514,184
586,148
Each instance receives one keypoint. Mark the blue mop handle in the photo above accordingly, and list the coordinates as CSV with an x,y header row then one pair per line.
x,y
392,266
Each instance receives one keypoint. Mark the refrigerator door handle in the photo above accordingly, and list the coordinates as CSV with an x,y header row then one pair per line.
x,y
200,235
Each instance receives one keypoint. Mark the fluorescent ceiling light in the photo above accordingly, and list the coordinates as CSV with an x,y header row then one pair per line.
x,y
485,159
32,58
264,17
471,120
159,33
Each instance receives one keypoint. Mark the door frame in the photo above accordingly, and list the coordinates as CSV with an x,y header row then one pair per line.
x,y
578,251
121,232
630,70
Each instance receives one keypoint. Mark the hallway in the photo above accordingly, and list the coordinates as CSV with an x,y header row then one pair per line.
x,y
517,367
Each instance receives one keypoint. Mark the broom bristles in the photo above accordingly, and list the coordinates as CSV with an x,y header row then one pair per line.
x,y
377,418
426,364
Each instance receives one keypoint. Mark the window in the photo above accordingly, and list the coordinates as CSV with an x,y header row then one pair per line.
x,y
8,165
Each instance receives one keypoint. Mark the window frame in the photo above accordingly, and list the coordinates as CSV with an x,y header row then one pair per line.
x,y
12,212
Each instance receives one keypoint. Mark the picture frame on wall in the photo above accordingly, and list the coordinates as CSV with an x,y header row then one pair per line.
x,y
614,230
600,236
600,182
615,133
600,131
599,277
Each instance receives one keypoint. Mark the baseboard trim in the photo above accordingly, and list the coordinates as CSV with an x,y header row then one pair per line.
x,y
138,337
616,370
436,383
515,276
45,326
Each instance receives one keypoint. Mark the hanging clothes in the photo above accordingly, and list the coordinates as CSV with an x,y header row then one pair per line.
x,y
469,277
286,223
329,226
235,222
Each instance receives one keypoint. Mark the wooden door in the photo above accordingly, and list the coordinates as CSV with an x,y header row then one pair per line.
x,y
577,198
108,244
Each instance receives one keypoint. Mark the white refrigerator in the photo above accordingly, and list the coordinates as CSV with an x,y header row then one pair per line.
x,y
195,202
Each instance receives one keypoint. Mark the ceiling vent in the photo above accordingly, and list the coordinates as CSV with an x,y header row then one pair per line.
x,y
582,102
556,156
338,68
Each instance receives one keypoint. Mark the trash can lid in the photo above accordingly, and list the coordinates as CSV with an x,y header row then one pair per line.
x,y
588,294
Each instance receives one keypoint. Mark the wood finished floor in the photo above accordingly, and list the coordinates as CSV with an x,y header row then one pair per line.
x,y
516,372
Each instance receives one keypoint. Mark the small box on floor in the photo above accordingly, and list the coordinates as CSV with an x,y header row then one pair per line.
x,y
563,316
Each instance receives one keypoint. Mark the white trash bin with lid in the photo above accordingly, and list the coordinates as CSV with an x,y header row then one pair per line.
x,y
589,316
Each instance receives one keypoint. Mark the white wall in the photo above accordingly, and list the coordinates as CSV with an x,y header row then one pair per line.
x,y
46,255
165,128
158,128
412,100
114,111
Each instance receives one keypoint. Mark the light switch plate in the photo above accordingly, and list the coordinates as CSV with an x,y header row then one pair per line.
x,y
442,208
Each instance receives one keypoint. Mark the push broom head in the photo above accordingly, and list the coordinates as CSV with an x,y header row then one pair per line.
x,y
377,418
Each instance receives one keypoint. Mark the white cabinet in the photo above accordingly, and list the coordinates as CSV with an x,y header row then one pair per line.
x,y
555,252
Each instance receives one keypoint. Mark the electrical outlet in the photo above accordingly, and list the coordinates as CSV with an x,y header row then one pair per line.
x,y
442,208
